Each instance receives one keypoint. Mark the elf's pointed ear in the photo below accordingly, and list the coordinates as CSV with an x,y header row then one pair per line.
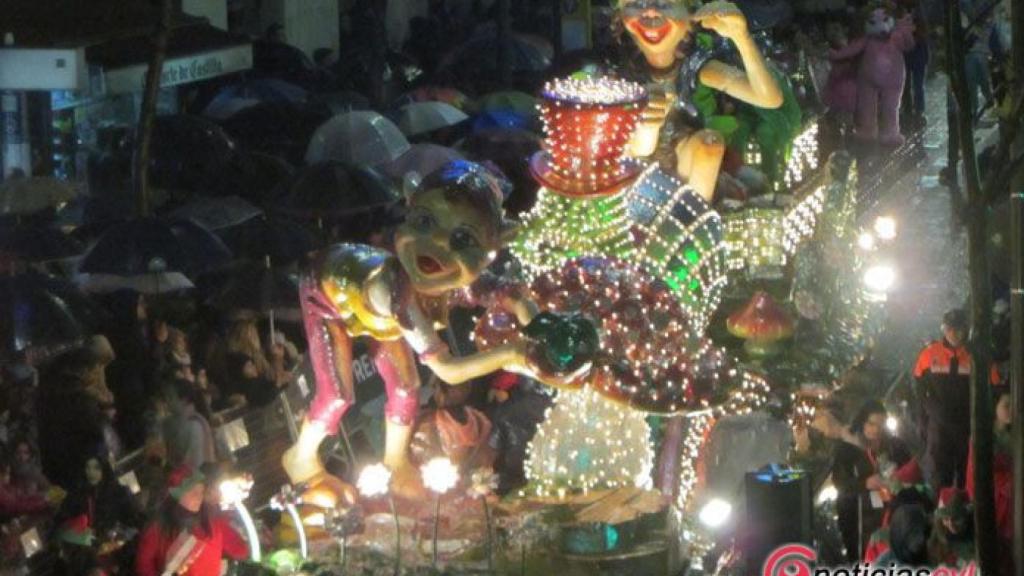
x,y
509,230
410,184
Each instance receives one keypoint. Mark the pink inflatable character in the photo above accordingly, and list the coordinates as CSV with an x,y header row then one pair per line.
x,y
880,73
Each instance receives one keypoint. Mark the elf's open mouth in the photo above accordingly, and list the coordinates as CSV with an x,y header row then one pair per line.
x,y
428,265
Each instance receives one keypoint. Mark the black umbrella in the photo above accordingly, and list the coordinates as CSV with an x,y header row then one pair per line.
x,y
148,246
482,52
336,192
37,243
510,150
193,154
334,103
259,288
280,239
206,251
90,314
286,62
276,128
256,175
217,213
33,317
233,98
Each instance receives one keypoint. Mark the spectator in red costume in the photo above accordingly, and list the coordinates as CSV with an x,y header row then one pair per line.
x,y
13,502
187,538
1002,470
952,541
76,550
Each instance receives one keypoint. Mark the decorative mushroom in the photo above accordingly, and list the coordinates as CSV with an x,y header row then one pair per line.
x,y
762,323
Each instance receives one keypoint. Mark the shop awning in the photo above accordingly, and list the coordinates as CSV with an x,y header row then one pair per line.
x,y
194,53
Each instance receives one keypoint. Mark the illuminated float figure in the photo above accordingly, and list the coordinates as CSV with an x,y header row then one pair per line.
x,y
627,245
659,28
595,201
454,228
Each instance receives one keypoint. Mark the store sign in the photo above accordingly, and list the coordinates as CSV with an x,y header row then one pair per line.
x,y
178,71
42,69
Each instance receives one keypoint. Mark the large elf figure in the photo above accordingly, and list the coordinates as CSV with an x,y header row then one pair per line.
x,y
660,28
399,299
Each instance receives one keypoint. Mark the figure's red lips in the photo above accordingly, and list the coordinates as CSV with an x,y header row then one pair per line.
x,y
652,35
428,265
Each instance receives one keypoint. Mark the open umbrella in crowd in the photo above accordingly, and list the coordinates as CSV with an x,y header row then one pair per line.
x,y
260,288
341,101
509,100
270,236
335,191
217,213
21,196
150,256
280,129
258,91
359,138
34,317
38,244
425,117
428,93
422,158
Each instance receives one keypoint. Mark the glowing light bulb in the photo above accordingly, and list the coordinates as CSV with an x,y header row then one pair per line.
x,y
892,424
715,513
885,227
866,241
440,475
374,481
828,494
234,490
879,279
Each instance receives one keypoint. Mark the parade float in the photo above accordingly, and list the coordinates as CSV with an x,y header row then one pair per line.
x,y
659,315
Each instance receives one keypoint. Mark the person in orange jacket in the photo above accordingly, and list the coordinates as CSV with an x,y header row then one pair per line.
x,y
942,376
187,538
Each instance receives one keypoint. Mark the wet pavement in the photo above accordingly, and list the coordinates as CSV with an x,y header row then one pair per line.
x,y
930,253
